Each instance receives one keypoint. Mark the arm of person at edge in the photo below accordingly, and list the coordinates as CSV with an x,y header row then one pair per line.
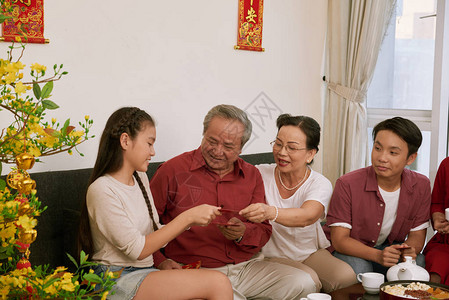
x,y
309,212
439,193
254,236
440,223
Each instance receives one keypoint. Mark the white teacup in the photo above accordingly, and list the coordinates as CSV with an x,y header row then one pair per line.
x,y
317,296
446,211
371,281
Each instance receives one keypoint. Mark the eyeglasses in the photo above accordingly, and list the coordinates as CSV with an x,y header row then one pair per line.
x,y
277,146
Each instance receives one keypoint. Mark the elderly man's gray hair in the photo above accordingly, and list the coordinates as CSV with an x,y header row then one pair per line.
x,y
229,112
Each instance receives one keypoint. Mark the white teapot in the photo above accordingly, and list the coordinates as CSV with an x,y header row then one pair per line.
x,y
407,270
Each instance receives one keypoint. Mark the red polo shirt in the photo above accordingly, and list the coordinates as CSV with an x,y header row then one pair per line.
x,y
184,182
356,200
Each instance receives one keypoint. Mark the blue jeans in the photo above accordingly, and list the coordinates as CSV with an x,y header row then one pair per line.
x,y
127,284
360,265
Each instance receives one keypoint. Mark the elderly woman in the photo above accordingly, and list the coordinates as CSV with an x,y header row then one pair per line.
x,y
298,198
437,249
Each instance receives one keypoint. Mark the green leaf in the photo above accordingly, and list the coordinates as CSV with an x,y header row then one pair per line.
x,y
38,271
37,90
83,257
48,104
72,260
64,128
46,90
92,278
2,184
3,18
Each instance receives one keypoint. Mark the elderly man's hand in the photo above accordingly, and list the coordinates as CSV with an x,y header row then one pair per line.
x,y
234,231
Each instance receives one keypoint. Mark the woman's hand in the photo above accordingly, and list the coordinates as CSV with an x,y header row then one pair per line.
x,y
201,215
258,212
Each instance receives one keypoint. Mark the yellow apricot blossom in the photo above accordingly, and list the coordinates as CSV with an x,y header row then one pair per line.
x,y
20,88
8,231
104,295
26,222
10,78
48,140
38,68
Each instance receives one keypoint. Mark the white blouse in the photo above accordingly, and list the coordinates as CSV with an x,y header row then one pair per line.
x,y
296,243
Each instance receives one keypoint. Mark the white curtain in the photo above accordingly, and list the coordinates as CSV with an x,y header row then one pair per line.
x,y
355,32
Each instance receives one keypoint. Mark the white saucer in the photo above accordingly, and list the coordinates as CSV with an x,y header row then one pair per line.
x,y
371,290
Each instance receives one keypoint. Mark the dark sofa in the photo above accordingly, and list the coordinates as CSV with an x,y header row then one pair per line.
x,y
62,192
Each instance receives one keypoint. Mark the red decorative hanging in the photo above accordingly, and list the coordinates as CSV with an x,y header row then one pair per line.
x,y
27,22
249,33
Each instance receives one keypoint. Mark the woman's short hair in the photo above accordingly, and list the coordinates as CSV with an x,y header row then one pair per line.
x,y
405,129
308,125
229,112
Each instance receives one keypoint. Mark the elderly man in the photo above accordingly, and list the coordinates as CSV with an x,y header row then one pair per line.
x,y
214,174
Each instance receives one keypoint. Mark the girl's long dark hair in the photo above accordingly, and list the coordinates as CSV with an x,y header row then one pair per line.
x,y
130,120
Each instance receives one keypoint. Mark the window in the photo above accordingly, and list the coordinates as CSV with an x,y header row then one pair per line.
x,y
409,77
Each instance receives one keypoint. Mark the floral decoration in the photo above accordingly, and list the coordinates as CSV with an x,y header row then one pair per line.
x,y
27,137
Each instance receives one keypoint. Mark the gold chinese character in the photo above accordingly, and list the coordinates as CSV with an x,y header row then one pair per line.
x,y
251,15
26,2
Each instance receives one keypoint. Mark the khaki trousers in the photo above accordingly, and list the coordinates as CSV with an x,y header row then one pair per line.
x,y
260,279
328,272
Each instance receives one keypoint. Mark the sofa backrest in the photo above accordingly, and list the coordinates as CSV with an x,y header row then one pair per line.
x,y
63,193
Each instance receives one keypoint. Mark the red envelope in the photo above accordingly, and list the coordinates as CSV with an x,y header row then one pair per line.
x,y
226,215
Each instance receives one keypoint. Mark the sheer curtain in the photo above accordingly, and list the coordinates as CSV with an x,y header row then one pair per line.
x,y
355,32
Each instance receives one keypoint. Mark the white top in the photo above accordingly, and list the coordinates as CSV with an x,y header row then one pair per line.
x,y
391,200
119,221
296,243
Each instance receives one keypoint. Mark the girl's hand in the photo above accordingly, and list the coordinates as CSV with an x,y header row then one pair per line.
x,y
201,215
258,212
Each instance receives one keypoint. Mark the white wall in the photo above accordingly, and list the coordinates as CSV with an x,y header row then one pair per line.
x,y
175,59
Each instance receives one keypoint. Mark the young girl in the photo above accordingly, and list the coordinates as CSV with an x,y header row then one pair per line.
x,y
119,224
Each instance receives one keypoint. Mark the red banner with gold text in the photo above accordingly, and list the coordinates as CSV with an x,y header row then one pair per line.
x,y
27,22
249,35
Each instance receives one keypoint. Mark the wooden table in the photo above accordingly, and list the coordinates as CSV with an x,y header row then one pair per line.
x,y
353,292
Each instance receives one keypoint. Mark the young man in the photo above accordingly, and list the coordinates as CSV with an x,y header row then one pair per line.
x,y
379,214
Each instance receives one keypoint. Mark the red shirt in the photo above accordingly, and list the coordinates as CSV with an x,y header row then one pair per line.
x,y
184,182
356,200
440,200
440,193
